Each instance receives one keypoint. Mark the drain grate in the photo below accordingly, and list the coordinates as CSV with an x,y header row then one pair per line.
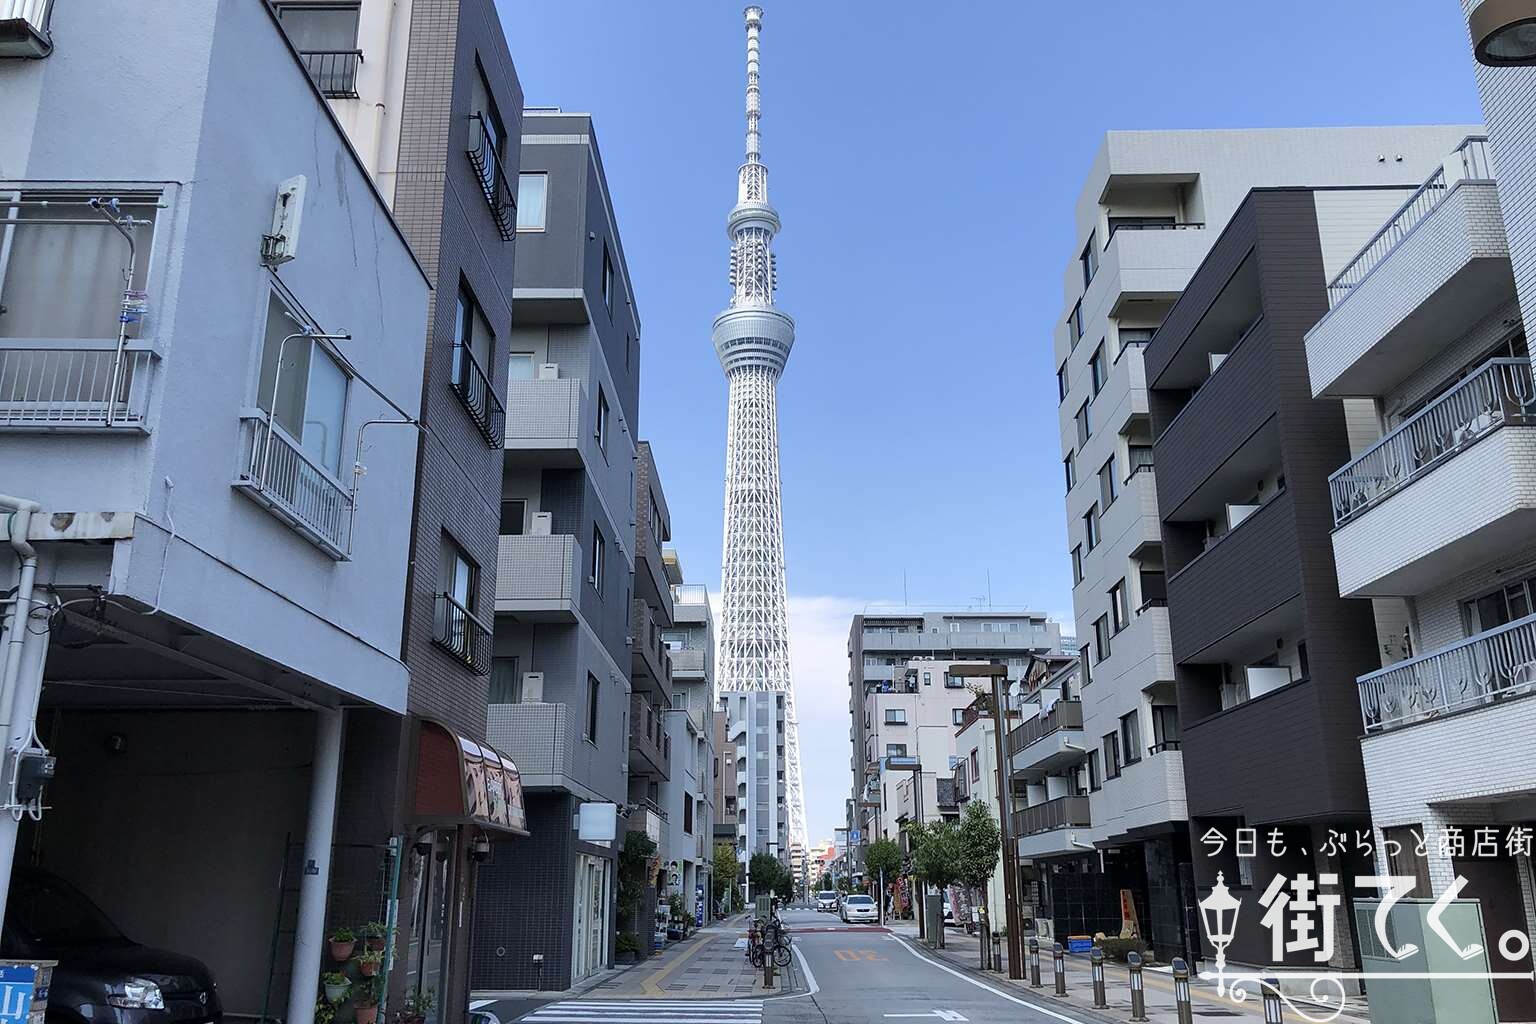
x,y
1217,1013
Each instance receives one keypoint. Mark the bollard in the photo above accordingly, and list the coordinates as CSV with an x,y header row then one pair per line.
x,y
997,952
1138,992
767,967
1274,1009
986,945
1181,991
1059,963
1096,959
1034,963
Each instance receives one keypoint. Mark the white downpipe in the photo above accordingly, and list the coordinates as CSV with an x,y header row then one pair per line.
x,y
25,686
314,881
20,521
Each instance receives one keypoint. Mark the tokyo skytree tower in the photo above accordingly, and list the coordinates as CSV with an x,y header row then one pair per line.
x,y
753,340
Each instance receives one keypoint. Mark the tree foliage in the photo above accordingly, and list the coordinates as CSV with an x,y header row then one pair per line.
x,y
936,852
883,855
634,864
727,869
980,845
768,875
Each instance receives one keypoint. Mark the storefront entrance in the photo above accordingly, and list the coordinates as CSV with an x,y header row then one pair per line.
x,y
590,945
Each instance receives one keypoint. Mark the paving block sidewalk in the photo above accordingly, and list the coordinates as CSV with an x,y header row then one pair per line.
x,y
710,965
964,952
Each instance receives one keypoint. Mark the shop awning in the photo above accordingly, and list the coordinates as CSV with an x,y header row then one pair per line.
x,y
459,780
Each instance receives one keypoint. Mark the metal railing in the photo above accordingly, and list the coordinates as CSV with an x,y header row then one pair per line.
x,y
486,159
1061,812
1469,161
481,400
1178,225
1064,714
64,386
461,633
334,71
1158,748
278,473
1492,666
1499,392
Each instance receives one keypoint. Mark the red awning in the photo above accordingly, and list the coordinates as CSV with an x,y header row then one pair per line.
x,y
460,780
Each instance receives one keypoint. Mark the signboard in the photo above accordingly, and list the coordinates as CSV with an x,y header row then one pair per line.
x,y
854,835
1130,927
17,982
698,906
597,823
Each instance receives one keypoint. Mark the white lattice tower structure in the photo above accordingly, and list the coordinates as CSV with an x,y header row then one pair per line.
x,y
753,340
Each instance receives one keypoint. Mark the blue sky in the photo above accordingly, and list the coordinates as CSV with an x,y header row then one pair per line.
x,y
925,159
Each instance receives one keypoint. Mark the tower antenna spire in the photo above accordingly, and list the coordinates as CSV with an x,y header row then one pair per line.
x,y
754,16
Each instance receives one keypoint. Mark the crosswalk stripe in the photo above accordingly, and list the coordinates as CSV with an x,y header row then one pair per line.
x,y
606,1018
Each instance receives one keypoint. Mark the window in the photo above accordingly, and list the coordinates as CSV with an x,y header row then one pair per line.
x,y
1077,565
607,280
598,555
1084,427
487,139
601,431
1075,324
1405,839
1134,337
455,627
1095,781
895,750
506,682
472,344
1096,369
311,390
66,281
674,639
1109,484
895,716
594,688
1091,527
1139,456
1084,667
1061,382
1090,259
1111,749
1165,726
1130,737
1303,668
520,366
320,28
532,201
514,512
927,678
688,813
1070,465
975,767
1510,602
953,682
957,715
1101,635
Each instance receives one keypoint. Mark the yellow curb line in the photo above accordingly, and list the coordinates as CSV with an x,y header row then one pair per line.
x,y
648,985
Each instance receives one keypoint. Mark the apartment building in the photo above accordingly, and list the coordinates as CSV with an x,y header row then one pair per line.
x,y
691,794
431,101
883,646
1149,209
209,332
566,570
724,788
1432,519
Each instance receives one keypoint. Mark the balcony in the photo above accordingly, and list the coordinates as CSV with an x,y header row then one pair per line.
x,y
334,71
538,579
480,399
24,28
687,663
1062,812
1492,667
1049,741
1149,264
545,417
280,476
485,157
651,666
462,633
1404,523
1433,271
650,751
68,386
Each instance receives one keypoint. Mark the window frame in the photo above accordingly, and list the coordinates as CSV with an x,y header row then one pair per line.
x,y
1098,373
1069,465
543,206
1075,324
594,696
306,396
1077,564
1109,483
1102,638
1063,384
607,279
1084,421
1091,537
598,560
1090,258
1119,610
604,414
522,517
1110,746
1130,738
895,716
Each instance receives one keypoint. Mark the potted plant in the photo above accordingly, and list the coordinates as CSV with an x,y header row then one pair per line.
x,y
342,943
627,948
365,1001
368,962
325,1013
336,986
373,932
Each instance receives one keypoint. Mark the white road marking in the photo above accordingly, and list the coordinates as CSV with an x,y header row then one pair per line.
x,y
649,1011
983,985
810,979
477,1003
949,1015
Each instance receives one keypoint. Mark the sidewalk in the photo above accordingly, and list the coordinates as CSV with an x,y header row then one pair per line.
x,y
964,953
709,965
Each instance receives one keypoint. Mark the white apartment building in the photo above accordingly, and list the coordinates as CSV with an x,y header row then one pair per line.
x,y
688,794
1149,209
1435,518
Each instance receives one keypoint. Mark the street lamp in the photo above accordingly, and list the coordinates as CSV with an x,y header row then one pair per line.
x,y
1218,912
1504,33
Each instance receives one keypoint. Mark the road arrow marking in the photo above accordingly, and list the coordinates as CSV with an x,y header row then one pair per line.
x,y
949,1015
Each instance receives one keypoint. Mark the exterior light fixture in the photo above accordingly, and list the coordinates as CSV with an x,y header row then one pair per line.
x,y
1504,33
1219,914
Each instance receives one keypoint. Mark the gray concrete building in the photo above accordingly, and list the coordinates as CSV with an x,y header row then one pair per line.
x,y
568,569
690,793
197,328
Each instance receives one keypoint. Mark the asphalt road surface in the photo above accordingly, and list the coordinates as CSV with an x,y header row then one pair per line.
x,y
862,974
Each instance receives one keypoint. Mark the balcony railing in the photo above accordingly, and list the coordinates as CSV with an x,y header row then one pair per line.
x,y
1471,160
474,389
1117,226
1063,812
486,159
1497,665
63,386
277,473
461,633
24,28
1064,714
1499,392
334,71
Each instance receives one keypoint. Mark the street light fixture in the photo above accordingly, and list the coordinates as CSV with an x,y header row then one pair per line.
x,y
1504,33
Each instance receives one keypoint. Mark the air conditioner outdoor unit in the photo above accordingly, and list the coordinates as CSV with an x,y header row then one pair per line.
x,y
543,524
533,687
549,371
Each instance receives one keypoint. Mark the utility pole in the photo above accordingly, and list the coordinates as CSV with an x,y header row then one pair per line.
x,y
1005,824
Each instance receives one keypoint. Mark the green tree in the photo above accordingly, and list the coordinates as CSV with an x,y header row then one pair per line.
x,y
936,853
634,864
769,876
727,870
882,861
981,846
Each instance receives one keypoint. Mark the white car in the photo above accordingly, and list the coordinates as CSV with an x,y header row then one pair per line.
x,y
826,901
858,908
949,912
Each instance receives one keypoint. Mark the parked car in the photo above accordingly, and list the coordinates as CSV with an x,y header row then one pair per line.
x,y
826,901
858,907
949,911
102,975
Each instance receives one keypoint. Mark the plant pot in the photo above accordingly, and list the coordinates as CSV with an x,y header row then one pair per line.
x,y
376,944
341,952
368,968
336,993
366,1014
